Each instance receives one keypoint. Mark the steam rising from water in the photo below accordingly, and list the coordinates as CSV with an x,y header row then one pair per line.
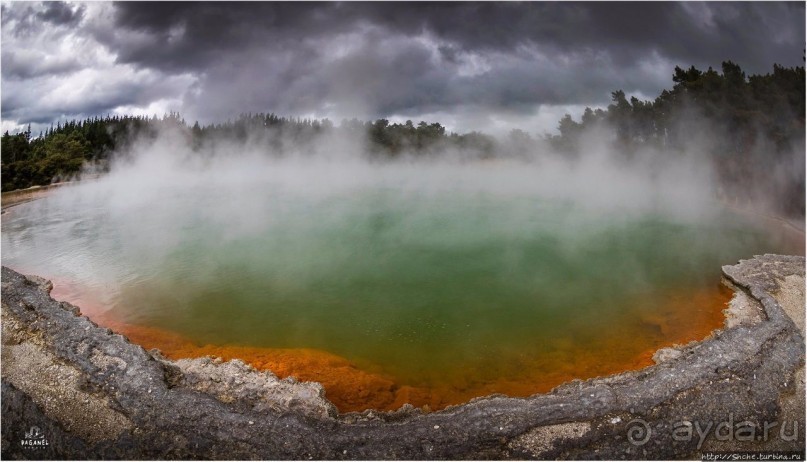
x,y
161,189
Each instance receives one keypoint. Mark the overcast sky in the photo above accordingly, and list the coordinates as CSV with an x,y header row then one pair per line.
x,y
470,66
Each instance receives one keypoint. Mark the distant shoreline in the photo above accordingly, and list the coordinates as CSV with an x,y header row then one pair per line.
x,y
788,228
21,196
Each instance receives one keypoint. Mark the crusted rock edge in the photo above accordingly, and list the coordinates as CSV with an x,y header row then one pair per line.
x,y
203,410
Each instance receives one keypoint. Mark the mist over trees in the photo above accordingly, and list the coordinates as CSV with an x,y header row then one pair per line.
x,y
61,152
750,129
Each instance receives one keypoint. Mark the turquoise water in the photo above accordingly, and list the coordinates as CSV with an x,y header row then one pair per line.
x,y
416,285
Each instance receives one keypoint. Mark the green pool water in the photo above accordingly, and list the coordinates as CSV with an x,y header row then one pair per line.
x,y
424,286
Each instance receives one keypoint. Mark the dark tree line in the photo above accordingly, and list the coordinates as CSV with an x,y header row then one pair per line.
x,y
750,109
63,150
383,139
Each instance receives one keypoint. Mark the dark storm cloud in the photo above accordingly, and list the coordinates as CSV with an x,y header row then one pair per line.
x,y
28,20
26,23
22,65
379,59
190,35
60,13
703,32
698,32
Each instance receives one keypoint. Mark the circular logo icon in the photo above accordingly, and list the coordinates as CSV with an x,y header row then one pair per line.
x,y
638,432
